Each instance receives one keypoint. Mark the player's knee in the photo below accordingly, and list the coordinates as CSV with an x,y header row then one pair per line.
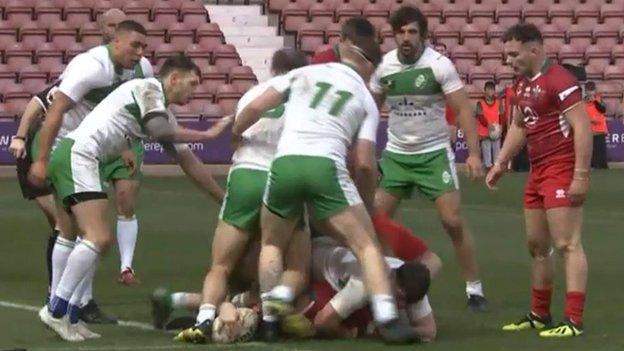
x,y
538,250
102,243
454,225
567,246
125,204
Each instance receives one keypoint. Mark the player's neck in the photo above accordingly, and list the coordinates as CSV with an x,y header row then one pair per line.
x,y
413,59
538,67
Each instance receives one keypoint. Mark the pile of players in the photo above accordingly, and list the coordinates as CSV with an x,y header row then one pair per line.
x,y
303,211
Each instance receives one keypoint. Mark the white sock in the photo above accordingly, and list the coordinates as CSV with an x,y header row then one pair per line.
x,y
474,288
284,293
60,254
384,308
206,312
80,261
87,294
85,283
179,300
127,232
267,316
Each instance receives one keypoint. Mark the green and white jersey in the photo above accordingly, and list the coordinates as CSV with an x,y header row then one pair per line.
x,y
259,143
105,131
328,106
415,94
89,78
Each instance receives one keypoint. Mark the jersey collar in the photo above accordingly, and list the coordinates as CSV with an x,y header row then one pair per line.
x,y
416,58
547,63
336,52
162,85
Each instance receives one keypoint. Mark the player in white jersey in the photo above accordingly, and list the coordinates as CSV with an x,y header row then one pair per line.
x,y
239,219
135,110
417,83
328,107
335,316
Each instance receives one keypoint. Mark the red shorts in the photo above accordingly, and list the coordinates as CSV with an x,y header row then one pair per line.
x,y
547,186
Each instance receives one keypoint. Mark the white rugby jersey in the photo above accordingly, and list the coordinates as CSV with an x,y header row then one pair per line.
x,y
257,149
328,106
416,96
89,78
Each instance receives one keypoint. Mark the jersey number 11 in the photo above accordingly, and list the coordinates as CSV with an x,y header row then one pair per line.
x,y
339,103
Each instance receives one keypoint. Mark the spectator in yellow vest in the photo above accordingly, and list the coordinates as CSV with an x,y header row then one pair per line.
x,y
596,109
489,112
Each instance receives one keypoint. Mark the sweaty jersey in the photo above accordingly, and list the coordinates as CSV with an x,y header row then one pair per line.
x,y
416,96
328,106
259,142
89,78
543,100
105,130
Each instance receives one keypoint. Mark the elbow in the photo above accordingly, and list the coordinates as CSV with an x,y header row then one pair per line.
x,y
365,168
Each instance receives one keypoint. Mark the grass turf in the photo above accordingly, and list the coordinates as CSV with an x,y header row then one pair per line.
x,y
176,226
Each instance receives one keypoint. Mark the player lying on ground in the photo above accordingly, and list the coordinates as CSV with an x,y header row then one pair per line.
x,y
135,110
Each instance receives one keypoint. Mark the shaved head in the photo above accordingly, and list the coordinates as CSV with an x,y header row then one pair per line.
x,y
108,22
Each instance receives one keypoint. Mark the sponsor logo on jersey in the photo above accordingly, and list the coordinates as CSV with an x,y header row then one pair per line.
x,y
560,194
420,80
537,90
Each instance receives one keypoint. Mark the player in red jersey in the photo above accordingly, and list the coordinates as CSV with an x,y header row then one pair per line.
x,y
550,117
354,30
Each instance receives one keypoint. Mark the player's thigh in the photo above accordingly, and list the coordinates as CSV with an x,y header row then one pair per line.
x,y
386,202
48,207
448,207
299,252
91,216
395,175
276,230
126,192
354,227
565,225
537,233
228,245
243,199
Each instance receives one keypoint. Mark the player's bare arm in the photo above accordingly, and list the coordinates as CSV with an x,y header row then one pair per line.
x,y
583,144
158,126
515,140
459,102
328,323
365,172
32,113
61,104
199,174
271,98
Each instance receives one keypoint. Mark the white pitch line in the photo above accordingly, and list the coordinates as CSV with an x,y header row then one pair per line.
x,y
30,308
145,347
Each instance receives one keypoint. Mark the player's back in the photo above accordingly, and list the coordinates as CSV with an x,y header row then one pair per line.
x,y
326,107
543,100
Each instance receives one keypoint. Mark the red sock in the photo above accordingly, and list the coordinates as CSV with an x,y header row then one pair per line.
x,y
540,302
574,305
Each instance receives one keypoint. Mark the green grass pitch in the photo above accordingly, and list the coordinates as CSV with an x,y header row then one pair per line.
x,y
176,226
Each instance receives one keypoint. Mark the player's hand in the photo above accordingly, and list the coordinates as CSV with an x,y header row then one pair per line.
x,y
129,161
18,148
474,167
495,173
37,173
219,127
578,191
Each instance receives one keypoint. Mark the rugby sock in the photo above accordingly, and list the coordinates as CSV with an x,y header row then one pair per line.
x,y
207,312
49,250
60,253
574,305
284,293
87,295
384,308
179,300
82,259
540,302
474,288
267,316
75,300
127,232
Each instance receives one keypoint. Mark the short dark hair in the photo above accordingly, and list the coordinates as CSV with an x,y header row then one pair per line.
x,y
130,26
590,85
414,278
285,60
179,62
356,27
524,33
489,84
406,15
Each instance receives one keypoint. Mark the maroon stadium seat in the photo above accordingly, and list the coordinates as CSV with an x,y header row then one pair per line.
x,y
32,35
73,50
536,14
180,35
7,75
203,95
504,72
62,36
226,57
612,14
227,97
164,12
200,55
18,55
456,15
8,32
332,33
16,94
508,14
310,37
388,44
293,17
579,35
193,13
552,34
495,32
156,34
594,72
613,73
473,36
345,11
480,75
137,10
100,7
47,13
587,14
474,92
571,54
490,53
305,4
242,77
212,111
464,55
32,79
78,11
277,5
376,14
164,51
359,4
321,16
212,74
447,35
596,55
606,35
19,11
481,15
90,35
617,54
209,35
561,15
48,56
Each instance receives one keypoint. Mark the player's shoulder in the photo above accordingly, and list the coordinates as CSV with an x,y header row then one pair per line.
x,y
436,60
556,72
389,60
145,87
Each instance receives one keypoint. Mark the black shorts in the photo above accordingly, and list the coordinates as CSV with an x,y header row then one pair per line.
x,y
29,191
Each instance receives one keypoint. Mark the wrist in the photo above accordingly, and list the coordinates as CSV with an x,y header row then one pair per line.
x,y
19,137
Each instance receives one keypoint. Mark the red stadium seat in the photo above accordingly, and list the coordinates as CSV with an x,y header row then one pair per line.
x,y
100,7
32,35
7,75
553,35
90,35
310,37
388,44
209,35
579,35
345,11
78,11
137,10
48,57
481,15
490,53
376,14
73,50
464,55
180,35
456,15
156,34
227,97
587,14
226,57
432,9
164,51
293,17
612,14
19,11
277,5
8,32
561,15
479,76
332,33
359,4
164,12
495,32
473,36
47,13
447,35
508,14
474,92
200,55
32,79
213,75
617,54
18,55
242,77
16,94
62,36
594,72
212,111
321,16
598,56
606,35
193,13
571,54
613,73
505,73
536,14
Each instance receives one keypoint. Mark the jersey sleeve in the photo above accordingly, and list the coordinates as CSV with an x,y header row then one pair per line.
x,y
374,83
350,298
149,97
447,75
368,129
565,89
44,97
420,309
81,75
282,83
146,66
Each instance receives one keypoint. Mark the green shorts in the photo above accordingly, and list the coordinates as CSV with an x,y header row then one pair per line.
x,y
320,182
243,198
116,169
74,177
432,173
